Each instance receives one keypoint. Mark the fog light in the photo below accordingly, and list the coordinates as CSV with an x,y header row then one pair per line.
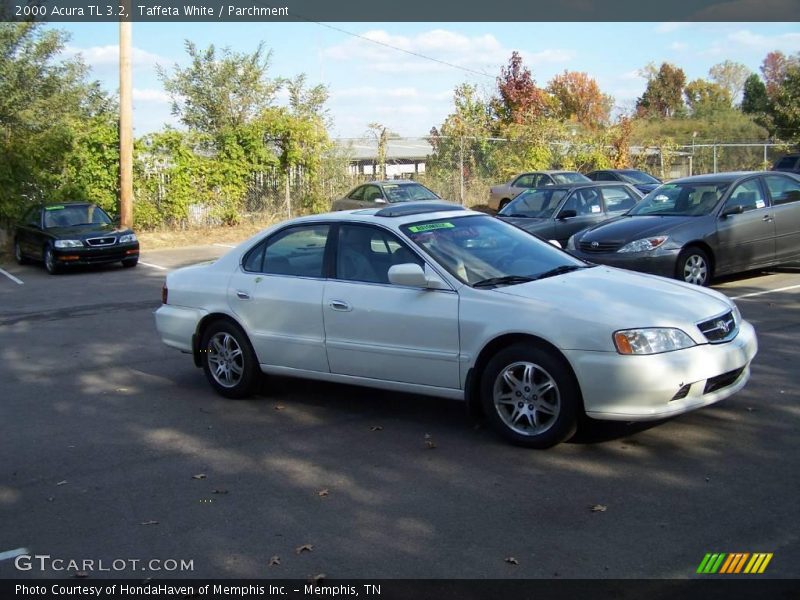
x,y
683,392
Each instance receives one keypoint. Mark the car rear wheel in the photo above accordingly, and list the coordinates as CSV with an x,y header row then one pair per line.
x,y
18,255
503,204
229,361
694,266
130,262
530,396
50,261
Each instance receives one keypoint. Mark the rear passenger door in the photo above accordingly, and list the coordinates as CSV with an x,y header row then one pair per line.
x,y
276,293
784,193
746,240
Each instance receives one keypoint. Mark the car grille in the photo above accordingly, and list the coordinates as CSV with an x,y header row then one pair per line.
x,y
719,329
102,241
722,381
600,247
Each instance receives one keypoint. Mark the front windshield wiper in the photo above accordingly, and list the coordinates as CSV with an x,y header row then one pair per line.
x,y
504,280
561,270
516,215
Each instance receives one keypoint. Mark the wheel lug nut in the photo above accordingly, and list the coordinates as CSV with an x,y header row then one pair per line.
x,y
520,404
527,389
519,394
530,406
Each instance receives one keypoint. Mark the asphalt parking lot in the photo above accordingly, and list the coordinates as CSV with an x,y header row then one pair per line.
x,y
115,448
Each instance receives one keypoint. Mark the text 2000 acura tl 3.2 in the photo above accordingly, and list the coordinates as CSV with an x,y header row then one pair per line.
x,y
435,299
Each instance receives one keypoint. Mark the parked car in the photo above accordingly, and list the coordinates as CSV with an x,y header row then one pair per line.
x,y
559,211
699,227
500,195
435,299
73,233
371,194
644,182
789,163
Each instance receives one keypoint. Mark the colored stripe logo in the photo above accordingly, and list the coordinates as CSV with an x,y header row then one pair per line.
x,y
734,563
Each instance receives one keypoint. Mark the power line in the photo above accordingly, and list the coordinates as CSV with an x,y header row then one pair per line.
x,y
417,54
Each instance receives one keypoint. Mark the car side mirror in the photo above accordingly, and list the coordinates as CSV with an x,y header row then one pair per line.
x,y
736,209
412,275
567,214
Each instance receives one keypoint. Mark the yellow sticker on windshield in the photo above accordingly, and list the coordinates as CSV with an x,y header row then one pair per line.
x,y
430,227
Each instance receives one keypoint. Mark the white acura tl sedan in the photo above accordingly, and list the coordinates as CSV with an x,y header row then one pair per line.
x,y
434,299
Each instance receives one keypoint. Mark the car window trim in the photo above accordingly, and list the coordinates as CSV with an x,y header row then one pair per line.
x,y
736,184
778,175
271,234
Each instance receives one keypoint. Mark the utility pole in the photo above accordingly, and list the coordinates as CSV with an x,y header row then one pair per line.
x,y
125,126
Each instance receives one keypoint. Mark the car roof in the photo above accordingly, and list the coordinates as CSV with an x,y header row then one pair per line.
x,y
407,212
579,184
391,182
726,177
68,203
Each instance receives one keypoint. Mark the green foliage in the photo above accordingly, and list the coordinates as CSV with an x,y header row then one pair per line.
x,y
704,98
663,96
786,105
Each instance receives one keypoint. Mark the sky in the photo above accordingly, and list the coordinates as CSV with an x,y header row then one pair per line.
x,y
369,81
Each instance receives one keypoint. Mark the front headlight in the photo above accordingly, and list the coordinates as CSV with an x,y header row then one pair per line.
x,y
651,341
69,244
644,245
737,316
127,238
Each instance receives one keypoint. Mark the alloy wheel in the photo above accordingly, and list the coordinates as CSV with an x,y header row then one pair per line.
x,y
527,399
225,359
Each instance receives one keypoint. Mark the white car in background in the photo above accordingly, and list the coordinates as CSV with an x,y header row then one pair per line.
x,y
435,299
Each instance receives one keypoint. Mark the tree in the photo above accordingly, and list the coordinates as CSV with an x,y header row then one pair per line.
x,y
731,76
48,112
578,97
520,97
220,90
705,98
786,105
754,97
773,68
663,96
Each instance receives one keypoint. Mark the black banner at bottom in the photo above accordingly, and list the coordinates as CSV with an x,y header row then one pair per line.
x,y
407,589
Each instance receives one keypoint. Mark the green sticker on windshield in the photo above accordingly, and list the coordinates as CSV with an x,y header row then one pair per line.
x,y
430,227
53,207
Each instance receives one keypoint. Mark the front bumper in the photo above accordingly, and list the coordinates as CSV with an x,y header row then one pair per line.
x,y
96,256
659,262
641,388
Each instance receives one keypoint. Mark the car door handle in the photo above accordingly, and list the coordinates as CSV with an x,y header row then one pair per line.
x,y
766,218
242,295
340,305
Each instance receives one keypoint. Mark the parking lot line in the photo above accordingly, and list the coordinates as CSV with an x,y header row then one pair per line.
x,y
12,278
159,267
753,294
13,553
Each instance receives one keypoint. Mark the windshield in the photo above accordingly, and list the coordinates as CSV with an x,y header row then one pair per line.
x,y
681,199
639,177
479,248
70,216
570,178
538,203
408,192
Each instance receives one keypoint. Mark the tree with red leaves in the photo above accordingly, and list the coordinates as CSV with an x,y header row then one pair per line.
x,y
520,98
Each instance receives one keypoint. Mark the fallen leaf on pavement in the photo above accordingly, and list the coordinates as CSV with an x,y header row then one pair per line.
x,y
511,560
322,493
62,482
316,578
149,522
303,548
376,428
199,476
220,492
429,443
599,508
279,407
275,561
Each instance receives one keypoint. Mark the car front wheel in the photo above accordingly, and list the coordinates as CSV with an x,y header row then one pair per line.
x,y
530,396
694,266
229,361
50,261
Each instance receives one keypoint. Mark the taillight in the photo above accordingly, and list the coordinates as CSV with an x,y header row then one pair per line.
x,y
164,294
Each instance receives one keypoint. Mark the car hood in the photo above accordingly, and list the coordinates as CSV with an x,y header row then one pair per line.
x,y
601,300
626,229
83,232
526,223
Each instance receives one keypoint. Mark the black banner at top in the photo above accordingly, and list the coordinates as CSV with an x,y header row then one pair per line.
x,y
403,11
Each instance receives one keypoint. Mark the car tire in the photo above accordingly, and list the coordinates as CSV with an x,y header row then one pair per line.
x,y
530,396
50,263
694,266
129,263
228,360
18,255
503,204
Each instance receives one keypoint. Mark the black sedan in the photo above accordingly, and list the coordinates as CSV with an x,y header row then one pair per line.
x,y
73,233
644,182
699,227
559,211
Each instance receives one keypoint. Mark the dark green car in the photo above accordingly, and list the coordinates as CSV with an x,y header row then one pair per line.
x,y
73,233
